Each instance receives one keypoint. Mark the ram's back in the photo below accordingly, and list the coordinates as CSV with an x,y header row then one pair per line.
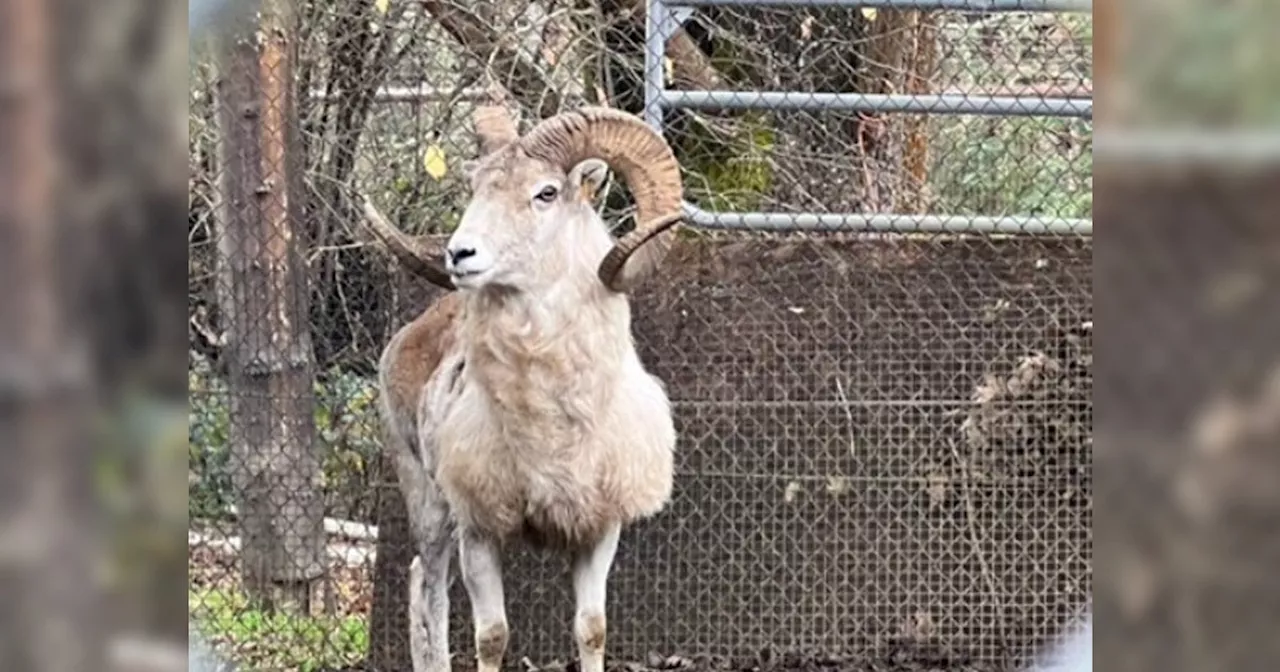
x,y
411,358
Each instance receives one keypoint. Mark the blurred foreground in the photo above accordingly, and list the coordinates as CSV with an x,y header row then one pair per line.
x,y
1187,400
92,335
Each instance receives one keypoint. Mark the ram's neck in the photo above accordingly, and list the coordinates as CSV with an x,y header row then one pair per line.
x,y
555,356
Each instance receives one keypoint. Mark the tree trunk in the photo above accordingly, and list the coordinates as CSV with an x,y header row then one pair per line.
x,y
263,297
901,60
690,67
49,619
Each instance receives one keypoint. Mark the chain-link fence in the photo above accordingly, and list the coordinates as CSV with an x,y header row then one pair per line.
x,y
885,447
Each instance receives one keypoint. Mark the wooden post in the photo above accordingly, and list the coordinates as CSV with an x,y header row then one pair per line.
x,y
263,297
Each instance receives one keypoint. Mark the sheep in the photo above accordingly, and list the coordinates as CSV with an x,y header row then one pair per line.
x,y
517,407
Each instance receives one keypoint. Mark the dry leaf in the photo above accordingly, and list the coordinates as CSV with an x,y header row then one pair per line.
x,y
838,485
434,163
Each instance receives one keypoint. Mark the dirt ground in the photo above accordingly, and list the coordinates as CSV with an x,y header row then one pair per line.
x,y
211,569
766,661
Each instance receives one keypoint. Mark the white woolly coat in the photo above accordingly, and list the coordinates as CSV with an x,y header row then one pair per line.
x,y
535,421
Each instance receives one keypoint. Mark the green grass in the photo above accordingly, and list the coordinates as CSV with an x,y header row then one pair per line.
x,y
258,640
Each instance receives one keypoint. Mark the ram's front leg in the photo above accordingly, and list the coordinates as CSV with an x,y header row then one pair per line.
x,y
429,584
481,562
590,576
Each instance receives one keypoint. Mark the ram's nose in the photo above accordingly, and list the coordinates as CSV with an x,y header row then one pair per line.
x,y
466,258
458,254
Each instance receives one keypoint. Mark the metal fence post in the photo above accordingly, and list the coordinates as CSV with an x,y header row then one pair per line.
x,y
654,69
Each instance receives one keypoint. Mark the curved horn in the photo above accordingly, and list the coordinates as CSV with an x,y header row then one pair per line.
x,y
405,249
494,127
645,162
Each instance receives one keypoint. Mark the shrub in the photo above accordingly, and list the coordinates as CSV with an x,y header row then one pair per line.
x,y
347,438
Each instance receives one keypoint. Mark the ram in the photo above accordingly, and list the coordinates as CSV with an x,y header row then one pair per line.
x,y
517,407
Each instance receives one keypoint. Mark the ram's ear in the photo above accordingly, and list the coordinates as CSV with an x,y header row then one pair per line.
x,y
589,178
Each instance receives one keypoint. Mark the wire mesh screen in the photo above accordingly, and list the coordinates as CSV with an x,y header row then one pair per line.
x,y
884,440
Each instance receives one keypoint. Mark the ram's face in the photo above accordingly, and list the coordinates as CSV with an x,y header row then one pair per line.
x,y
520,210
530,217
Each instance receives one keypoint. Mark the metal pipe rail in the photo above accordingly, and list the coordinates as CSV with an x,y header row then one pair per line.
x,y
885,223
410,94
1019,106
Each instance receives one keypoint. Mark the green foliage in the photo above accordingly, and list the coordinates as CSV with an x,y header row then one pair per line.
x,y
730,174
208,443
348,435
259,640
1013,166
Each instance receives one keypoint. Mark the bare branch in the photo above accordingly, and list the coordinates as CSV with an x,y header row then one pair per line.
x,y
528,83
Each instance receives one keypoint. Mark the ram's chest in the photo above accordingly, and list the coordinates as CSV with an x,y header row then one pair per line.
x,y
514,452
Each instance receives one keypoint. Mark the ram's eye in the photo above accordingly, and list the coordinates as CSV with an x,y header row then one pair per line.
x,y
547,195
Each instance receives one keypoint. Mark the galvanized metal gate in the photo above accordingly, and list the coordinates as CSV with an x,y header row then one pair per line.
x,y
665,16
